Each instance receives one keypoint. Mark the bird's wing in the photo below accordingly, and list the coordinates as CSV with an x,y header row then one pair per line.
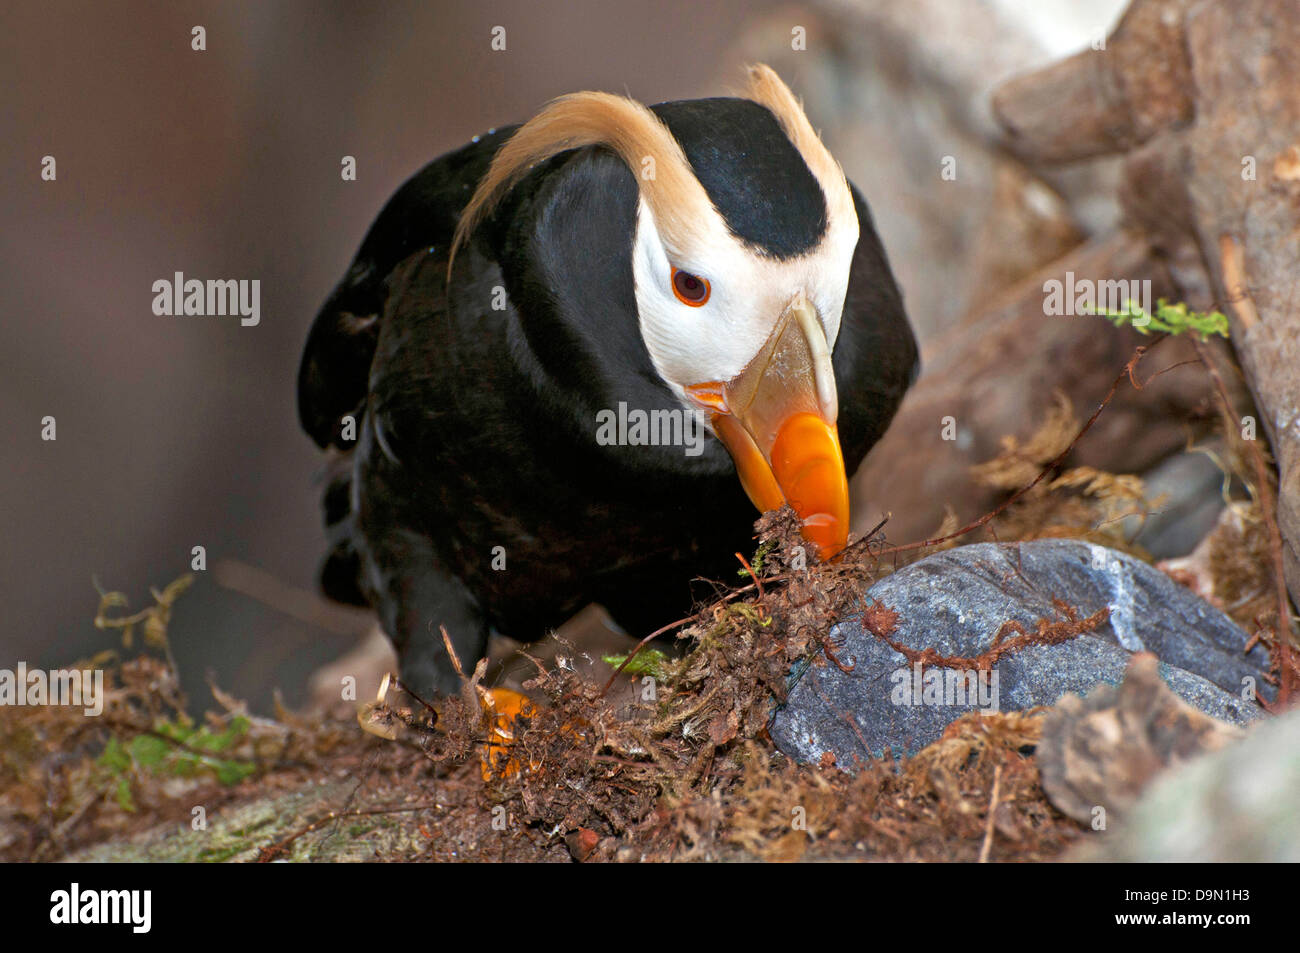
x,y
875,356
333,378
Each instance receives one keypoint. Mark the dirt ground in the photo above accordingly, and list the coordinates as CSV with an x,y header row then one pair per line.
x,y
668,760
685,772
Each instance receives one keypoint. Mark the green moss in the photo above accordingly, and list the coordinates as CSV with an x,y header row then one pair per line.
x,y
1169,319
650,662
219,855
174,749
760,554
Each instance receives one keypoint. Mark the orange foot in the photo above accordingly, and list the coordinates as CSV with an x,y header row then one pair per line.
x,y
501,707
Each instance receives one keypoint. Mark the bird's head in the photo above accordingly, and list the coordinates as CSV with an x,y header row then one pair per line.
x,y
741,260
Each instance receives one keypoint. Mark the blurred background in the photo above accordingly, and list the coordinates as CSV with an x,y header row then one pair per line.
x,y
174,432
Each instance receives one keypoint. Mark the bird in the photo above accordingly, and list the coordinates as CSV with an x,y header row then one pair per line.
x,y
701,263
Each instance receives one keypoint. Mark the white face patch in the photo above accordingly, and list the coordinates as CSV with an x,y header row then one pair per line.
x,y
748,294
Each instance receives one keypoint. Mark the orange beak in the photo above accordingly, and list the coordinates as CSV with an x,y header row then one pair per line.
x,y
777,420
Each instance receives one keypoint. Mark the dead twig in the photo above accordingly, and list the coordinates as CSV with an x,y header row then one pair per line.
x,y
987,846
752,575
1288,676
1128,371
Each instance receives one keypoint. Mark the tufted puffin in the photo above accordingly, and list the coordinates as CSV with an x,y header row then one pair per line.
x,y
702,265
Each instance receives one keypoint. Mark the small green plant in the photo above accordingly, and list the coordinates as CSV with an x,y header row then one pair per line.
x,y
1168,319
650,662
759,555
176,749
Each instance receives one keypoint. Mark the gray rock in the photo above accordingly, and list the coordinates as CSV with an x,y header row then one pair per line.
x,y
956,601
1190,484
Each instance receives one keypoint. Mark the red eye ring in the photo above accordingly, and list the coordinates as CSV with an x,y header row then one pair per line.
x,y
690,289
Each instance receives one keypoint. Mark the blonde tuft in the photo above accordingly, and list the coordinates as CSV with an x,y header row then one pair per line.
x,y
684,215
679,203
768,89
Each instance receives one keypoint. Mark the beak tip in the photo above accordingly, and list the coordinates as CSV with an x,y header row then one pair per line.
x,y
809,467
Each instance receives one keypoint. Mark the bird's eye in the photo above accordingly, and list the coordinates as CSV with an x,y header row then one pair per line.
x,y
690,289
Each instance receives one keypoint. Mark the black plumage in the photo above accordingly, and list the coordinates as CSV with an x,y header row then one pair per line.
x,y
475,426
